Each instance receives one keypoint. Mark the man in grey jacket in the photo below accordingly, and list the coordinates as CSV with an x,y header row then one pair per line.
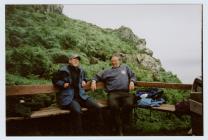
x,y
118,80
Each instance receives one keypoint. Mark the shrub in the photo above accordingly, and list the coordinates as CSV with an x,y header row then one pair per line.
x,y
28,60
58,56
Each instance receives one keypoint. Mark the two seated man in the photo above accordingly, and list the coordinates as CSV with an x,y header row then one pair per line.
x,y
118,80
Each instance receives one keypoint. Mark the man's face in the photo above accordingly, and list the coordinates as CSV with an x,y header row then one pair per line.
x,y
74,62
115,61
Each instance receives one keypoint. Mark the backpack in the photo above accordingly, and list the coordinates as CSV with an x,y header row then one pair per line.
x,y
182,108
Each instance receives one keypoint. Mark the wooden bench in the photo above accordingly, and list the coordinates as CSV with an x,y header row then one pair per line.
x,y
196,107
28,90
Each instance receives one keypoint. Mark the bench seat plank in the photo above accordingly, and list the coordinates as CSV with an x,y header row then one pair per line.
x,y
165,107
52,111
49,111
162,107
55,110
44,112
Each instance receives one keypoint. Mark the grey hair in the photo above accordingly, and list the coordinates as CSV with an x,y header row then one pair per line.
x,y
117,55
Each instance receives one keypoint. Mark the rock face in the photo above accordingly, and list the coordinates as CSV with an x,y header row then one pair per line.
x,y
141,47
49,8
126,34
144,55
149,62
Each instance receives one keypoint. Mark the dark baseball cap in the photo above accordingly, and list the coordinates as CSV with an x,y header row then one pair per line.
x,y
74,56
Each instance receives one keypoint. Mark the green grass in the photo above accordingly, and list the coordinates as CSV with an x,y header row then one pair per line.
x,y
19,80
156,121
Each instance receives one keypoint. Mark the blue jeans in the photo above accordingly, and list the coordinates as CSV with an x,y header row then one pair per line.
x,y
76,112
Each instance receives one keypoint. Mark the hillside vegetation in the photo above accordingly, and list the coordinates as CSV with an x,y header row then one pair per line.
x,y
37,42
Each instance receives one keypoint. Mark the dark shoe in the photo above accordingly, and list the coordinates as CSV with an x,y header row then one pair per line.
x,y
126,128
120,131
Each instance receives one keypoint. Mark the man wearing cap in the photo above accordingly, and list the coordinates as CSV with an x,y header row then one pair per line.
x,y
118,80
72,96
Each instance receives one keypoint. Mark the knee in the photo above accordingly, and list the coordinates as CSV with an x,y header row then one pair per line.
x,y
77,111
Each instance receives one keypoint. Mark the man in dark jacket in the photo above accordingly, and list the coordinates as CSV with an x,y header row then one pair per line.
x,y
72,95
118,80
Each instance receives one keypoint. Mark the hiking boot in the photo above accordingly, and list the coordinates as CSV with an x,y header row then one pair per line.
x,y
120,131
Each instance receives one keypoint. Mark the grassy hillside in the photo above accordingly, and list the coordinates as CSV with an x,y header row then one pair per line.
x,y
37,42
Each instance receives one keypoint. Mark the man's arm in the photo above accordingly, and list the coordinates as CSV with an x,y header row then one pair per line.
x,y
131,75
85,78
60,80
132,78
98,77
84,82
60,83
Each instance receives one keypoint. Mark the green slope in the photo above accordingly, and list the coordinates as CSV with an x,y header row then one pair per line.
x,y
37,42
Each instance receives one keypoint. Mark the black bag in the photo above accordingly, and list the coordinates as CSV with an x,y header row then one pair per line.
x,y
153,93
182,108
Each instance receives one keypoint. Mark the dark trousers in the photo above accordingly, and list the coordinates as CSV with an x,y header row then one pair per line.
x,y
76,112
121,107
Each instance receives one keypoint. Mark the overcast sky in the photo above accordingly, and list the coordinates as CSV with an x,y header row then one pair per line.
x,y
173,32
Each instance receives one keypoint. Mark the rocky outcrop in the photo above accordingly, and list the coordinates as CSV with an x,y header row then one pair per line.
x,y
149,62
57,8
144,55
141,47
126,34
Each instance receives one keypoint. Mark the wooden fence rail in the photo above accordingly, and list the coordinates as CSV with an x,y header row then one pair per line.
x,y
38,89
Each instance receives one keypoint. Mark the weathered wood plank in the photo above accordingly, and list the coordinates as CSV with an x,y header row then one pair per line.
x,y
49,111
29,89
162,107
16,90
38,89
165,108
196,107
197,96
44,112
197,84
55,110
14,118
164,85
138,84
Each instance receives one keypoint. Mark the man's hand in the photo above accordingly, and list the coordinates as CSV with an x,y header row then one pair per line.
x,y
83,83
131,85
66,85
93,85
